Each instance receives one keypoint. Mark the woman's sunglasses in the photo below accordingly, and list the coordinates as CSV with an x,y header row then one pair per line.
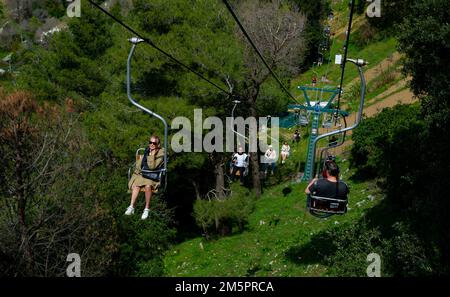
x,y
153,142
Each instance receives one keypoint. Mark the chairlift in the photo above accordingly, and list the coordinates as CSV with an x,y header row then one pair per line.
x,y
324,207
327,120
238,173
159,174
156,175
303,117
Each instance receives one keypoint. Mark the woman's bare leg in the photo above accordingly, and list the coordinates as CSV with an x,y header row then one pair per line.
x,y
134,195
148,195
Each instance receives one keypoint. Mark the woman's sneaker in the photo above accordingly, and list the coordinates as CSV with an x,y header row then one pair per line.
x,y
145,214
129,211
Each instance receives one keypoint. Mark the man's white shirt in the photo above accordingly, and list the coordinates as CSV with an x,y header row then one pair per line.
x,y
240,159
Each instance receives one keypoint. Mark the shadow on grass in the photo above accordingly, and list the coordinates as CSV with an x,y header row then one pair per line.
x,y
322,245
286,191
314,252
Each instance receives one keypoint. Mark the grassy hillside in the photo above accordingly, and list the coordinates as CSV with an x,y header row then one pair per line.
x,y
279,239
277,231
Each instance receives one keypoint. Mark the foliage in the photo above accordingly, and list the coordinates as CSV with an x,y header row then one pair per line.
x,y
423,38
350,245
222,215
69,64
385,77
143,242
48,209
316,12
401,134
377,138
365,34
390,12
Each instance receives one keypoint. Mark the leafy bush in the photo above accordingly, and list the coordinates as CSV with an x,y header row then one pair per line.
x,y
402,253
351,245
377,138
143,242
220,216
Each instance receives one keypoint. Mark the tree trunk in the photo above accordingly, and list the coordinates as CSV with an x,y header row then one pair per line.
x,y
220,178
21,206
196,189
254,162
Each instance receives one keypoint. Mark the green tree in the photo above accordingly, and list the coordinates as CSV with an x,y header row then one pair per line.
x,y
423,38
47,208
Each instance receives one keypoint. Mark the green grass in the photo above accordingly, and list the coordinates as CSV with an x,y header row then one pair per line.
x,y
374,53
277,228
280,227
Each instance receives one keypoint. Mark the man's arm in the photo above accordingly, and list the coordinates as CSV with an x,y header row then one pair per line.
x,y
308,190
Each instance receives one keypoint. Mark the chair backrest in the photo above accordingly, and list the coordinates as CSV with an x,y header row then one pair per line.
x,y
328,205
159,170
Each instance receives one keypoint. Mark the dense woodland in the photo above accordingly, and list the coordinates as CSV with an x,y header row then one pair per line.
x,y
68,133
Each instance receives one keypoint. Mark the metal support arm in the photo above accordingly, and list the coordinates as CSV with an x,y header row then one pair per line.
x,y
359,63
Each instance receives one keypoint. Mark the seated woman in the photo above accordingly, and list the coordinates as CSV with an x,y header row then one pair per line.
x,y
329,187
154,157
285,149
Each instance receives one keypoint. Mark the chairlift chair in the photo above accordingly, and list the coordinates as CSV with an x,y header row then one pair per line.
x,y
303,118
327,121
160,173
156,175
324,207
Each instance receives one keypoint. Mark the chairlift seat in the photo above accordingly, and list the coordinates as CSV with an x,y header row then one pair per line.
x,y
159,173
303,121
326,206
326,124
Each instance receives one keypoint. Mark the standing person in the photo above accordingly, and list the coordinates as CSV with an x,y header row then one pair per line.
x,y
314,81
271,157
285,149
329,187
239,164
153,158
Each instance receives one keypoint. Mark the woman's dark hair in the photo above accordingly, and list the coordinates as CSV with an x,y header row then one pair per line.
x,y
332,168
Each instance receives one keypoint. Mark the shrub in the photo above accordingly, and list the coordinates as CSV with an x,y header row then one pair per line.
x,y
351,245
364,35
219,216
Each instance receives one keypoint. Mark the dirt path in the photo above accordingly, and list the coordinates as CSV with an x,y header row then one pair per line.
x,y
402,97
392,89
373,72
356,23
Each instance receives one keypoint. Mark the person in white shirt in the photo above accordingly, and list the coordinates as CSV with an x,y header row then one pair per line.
x,y
271,157
239,164
285,149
